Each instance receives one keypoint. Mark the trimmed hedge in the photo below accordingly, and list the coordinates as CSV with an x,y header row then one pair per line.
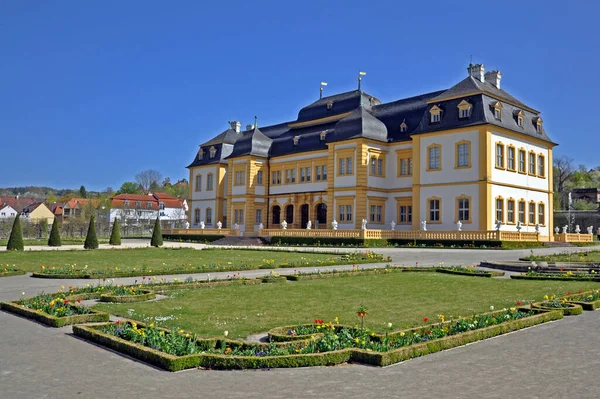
x,y
52,321
12,273
572,310
551,277
460,273
587,305
218,361
360,242
192,237
145,295
273,280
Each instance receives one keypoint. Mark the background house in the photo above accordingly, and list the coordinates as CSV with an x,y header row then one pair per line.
x,y
38,212
7,211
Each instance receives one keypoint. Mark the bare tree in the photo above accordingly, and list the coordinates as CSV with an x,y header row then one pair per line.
x,y
147,178
563,171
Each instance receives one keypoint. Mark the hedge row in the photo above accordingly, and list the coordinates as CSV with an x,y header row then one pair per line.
x,y
13,273
272,280
192,237
461,273
145,295
555,278
217,361
572,309
361,242
52,321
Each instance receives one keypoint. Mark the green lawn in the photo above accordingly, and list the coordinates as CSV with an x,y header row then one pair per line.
x,y
403,299
586,257
155,259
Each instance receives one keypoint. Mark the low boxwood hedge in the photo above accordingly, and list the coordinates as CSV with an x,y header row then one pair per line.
x,y
144,295
192,237
273,280
218,361
394,242
486,273
52,321
555,278
573,309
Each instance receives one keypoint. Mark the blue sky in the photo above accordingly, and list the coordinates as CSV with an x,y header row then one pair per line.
x,y
94,92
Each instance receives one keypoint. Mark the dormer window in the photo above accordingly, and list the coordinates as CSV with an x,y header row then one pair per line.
x,y
329,105
323,135
538,125
296,138
497,108
201,154
403,127
464,109
520,115
435,112
213,152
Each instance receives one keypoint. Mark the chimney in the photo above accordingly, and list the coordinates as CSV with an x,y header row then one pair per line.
x,y
477,71
249,127
235,125
493,78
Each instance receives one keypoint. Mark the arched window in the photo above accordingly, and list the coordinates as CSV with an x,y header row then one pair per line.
x,y
276,214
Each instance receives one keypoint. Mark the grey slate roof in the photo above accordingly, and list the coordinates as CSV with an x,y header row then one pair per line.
x,y
375,120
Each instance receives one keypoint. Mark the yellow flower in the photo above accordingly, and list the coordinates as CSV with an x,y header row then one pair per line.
x,y
180,332
23,293
402,334
546,297
336,320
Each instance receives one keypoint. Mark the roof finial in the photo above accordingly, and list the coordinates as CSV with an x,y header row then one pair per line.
x,y
323,84
360,73
255,122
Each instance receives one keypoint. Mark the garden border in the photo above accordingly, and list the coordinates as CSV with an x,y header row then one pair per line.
x,y
53,321
145,295
557,278
13,273
484,273
573,309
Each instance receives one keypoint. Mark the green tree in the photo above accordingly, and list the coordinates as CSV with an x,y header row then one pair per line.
x,y
115,235
129,187
54,239
157,240
582,205
82,192
15,241
91,240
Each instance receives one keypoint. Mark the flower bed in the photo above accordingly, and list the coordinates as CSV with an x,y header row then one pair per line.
x,y
560,304
556,277
11,271
589,300
53,310
469,271
127,295
177,351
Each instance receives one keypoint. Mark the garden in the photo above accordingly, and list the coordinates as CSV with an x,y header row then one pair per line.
x,y
155,261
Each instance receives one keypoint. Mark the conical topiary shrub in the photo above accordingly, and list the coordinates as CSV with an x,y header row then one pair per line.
x,y
15,241
91,241
156,235
54,239
115,235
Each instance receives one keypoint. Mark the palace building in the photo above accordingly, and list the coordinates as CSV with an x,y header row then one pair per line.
x,y
472,153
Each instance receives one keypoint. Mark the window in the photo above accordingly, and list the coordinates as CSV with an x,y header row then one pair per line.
x,y
345,213
538,125
258,219
240,177
532,163
541,214
522,212
541,166
520,121
209,182
213,152
377,166
434,155
259,178
500,209
324,176
434,211
321,172
376,213
463,154
149,205
329,105
510,157
403,127
464,109
500,155
345,166
348,166
138,204
290,176
531,213
405,213
522,167
198,182
318,173
238,216
276,177
406,167
463,205
196,216
208,216
510,211
520,117
126,203
201,154
161,206
305,174
435,112
497,108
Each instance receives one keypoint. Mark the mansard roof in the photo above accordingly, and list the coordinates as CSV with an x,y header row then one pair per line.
x,y
229,136
360,123
340,103
253,142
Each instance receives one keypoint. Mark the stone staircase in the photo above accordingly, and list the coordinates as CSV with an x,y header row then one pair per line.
x,y
240,241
